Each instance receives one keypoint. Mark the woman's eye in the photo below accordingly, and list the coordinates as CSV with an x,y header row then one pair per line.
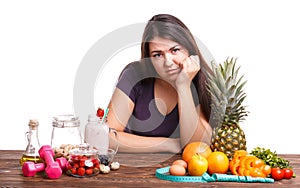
x,y
175,50
157,55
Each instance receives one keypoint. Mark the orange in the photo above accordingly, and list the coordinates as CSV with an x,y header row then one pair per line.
x,y
198,165
218,162
195,147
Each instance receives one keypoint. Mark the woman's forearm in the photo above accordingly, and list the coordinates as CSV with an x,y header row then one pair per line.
x,y
193,126
141,144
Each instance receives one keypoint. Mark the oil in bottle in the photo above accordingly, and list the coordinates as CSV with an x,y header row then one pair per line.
x,y
33,145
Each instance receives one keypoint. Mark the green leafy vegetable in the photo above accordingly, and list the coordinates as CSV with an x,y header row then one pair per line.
x,y
270,158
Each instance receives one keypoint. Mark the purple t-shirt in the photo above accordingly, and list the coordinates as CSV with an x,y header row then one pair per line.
x,y
146,120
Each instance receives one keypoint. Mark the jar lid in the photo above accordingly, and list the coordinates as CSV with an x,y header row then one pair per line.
x,y
65,121
83,149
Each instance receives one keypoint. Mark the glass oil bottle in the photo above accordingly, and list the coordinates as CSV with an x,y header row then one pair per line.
x,y
33,145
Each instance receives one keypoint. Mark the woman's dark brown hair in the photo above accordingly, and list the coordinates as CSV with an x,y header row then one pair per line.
x,y
169,27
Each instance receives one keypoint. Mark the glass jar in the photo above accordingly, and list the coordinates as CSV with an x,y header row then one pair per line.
x,y
65,134
83,162
97,136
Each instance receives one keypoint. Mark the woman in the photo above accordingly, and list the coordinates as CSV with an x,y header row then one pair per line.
x,y
161,102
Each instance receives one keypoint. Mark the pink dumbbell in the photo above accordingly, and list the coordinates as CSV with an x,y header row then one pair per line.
x,y
62,163
53,169
30,169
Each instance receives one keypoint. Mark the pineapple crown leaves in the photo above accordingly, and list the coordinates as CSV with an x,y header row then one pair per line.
x,y
227,95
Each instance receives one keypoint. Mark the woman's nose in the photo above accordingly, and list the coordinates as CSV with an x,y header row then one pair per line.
x,y
168,59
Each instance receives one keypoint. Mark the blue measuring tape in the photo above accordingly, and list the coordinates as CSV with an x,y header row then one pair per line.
x,y
163,173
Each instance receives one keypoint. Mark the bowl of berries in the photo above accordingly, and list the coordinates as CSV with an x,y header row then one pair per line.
x,y
107,158
106,161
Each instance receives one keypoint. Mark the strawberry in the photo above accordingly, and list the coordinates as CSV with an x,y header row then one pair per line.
x,y
100,112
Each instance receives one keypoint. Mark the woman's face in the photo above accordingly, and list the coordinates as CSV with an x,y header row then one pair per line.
x,y
166,55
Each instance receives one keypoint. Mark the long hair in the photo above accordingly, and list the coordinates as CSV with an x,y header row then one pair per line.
x,y
169,27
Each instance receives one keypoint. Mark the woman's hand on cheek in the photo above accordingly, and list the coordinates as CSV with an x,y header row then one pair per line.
x,y
189,68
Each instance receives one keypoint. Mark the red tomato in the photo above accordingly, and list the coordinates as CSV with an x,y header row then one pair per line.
x,y
277,174
89,171
288,173
97,165
81,171
76,165
69,166
73,171
76,158
82,163
95,161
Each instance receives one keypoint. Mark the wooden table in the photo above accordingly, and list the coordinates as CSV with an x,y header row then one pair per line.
x,y
137,170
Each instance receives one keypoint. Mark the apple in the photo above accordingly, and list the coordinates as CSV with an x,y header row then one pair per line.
x,y
198,165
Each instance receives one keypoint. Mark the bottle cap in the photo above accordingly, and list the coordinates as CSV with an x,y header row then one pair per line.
x,y
33,123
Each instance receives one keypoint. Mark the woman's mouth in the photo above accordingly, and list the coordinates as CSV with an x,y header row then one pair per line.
x,y
173,71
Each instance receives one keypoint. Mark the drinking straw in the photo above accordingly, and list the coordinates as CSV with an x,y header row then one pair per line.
x,y
104,116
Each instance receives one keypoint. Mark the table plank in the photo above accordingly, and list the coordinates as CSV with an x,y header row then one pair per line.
x,y
137,170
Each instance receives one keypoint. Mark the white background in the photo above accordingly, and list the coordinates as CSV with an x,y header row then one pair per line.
x,y
42,44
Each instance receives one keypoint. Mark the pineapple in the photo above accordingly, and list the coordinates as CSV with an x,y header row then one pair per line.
x,y
227,95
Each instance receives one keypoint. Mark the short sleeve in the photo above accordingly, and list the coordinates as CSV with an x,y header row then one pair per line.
x,y
129,78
